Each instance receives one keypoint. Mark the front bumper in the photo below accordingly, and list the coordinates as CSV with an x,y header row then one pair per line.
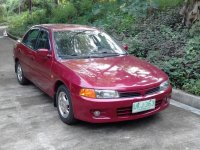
x,y
114,110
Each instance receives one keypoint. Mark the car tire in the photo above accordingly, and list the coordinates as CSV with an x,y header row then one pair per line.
x,y
64,105
20,75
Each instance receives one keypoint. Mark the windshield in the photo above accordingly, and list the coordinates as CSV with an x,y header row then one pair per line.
x,y
86,43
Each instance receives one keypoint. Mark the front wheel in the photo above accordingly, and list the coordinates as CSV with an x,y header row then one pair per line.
x,y
20,75
64,105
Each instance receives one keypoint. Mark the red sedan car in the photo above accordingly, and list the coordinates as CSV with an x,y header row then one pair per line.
x,y
89,76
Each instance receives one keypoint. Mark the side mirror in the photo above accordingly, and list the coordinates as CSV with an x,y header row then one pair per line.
x,y
43,52
125,46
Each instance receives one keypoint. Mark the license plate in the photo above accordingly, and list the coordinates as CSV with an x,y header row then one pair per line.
x,y
143,106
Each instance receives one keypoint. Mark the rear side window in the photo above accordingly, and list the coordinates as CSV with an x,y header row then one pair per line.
x,y
30,38
43,40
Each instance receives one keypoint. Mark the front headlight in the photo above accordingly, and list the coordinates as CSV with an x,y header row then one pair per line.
x,y
164,85
99,94
106,94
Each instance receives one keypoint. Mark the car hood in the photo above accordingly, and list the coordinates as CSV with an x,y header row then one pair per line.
x,y
116,72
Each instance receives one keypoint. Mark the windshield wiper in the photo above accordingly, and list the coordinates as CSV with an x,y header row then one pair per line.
x,y
104,53
73,56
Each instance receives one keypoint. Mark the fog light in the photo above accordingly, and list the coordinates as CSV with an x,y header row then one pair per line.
x,y
168,99
165,100
96,113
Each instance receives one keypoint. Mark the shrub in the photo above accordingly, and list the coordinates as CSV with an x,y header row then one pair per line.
x,y
138,8
164,4
18,24
63,13
83,6
162,41
108,15
2,13
192,86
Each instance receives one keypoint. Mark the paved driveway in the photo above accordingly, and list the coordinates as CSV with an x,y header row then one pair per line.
x,y
28,121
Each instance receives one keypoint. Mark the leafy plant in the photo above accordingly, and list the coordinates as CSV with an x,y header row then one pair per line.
x,y
162,41
164,4
20,23
139,8
192,86
63,13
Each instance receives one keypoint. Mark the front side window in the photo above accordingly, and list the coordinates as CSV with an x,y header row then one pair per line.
x,y
43,40
30,38
86,43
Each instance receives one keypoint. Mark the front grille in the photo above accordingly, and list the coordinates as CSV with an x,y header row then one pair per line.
x,y
138,94
127,111
154,90
130,94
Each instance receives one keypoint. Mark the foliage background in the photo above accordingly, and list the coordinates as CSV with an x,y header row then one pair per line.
x,y
151,28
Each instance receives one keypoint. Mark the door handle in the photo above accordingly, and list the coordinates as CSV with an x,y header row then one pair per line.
x,y
32,58
19,50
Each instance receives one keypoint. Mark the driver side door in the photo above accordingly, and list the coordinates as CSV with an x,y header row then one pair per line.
x,y
42,64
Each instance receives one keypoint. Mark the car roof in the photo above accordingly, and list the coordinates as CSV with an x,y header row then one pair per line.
x,y
60,27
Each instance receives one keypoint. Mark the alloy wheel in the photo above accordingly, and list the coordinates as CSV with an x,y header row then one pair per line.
x,y
63,104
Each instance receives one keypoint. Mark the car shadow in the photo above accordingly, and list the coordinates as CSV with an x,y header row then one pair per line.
x,y
126,125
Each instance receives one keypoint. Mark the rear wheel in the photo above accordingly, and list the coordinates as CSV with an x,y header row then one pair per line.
x,y
64,105
20,75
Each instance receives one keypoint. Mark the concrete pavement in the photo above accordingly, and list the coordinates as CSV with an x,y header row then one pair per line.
x,y
28,121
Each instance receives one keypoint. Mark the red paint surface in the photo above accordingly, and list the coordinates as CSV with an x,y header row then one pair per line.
x,y
121,73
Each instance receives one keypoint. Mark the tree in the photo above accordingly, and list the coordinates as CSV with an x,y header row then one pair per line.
x,y
190,12
30,6
2,1
56,2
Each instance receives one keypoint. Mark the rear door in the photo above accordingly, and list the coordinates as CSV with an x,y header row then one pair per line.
x,y
26,52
